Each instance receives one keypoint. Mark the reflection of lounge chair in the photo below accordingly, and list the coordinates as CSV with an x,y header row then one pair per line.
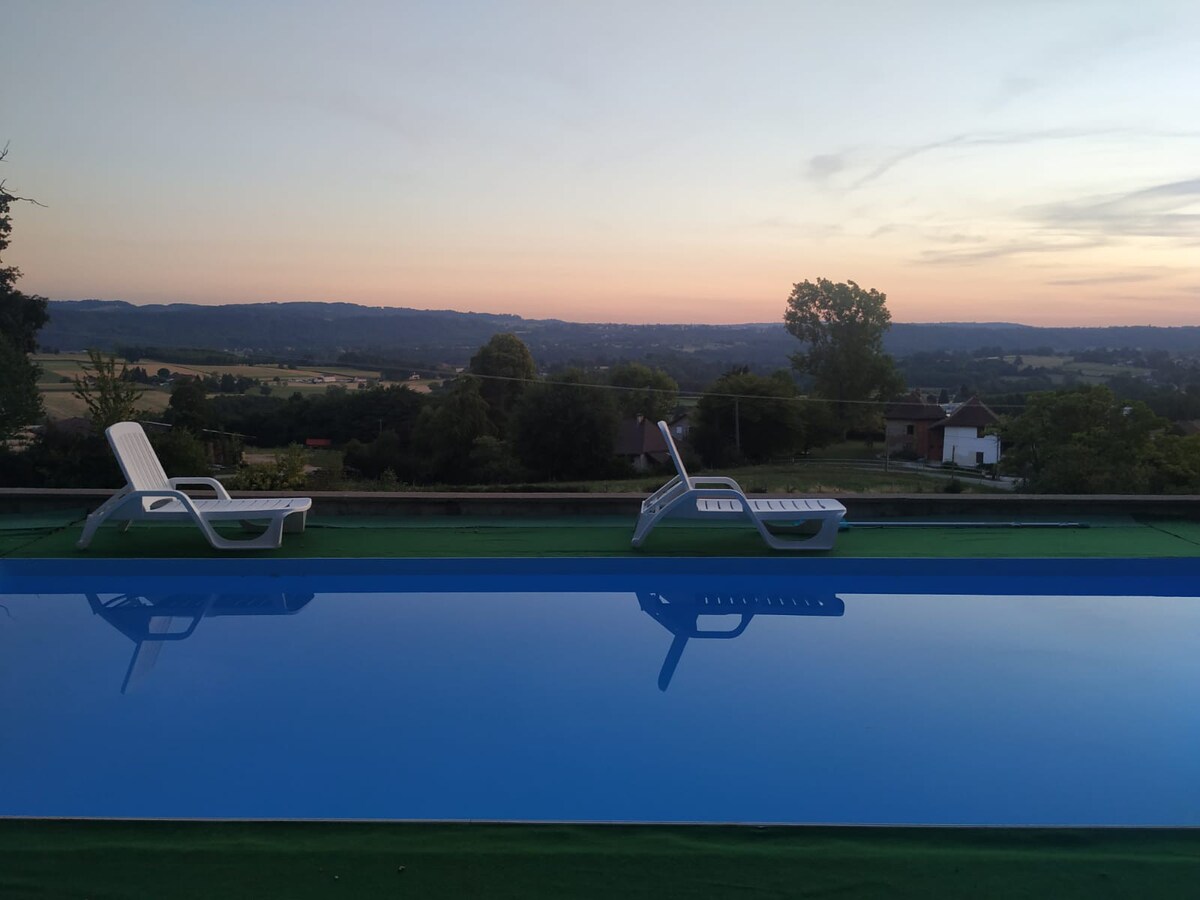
x,y
150,621
715,498
680,614
149,495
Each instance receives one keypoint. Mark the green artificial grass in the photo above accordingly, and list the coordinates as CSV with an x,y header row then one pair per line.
x,y
601,537
71,859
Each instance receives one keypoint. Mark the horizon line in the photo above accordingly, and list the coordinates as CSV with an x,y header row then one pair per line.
x,y
992,323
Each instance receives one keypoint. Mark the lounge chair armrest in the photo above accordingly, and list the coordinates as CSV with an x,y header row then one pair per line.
x,y
717,493
716,479
222,494
674,486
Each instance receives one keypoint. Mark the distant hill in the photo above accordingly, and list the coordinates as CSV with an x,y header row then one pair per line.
x,y
326,331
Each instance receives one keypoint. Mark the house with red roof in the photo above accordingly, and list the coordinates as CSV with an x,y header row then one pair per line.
x,y
641,443
907,426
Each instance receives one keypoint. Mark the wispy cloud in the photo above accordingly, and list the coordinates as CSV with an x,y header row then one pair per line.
x,y
825,165
1158,211
934,235
813,230
1010,248
1116,278
1004,139
1079,55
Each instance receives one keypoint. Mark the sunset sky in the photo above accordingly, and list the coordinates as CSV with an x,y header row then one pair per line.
x,y
1035,162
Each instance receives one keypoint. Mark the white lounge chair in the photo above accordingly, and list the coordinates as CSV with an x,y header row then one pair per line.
x,y
715,498
149,495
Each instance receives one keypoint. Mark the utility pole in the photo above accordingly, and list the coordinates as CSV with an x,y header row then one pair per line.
x,y
737,424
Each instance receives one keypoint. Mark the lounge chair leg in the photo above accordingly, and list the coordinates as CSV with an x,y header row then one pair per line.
x,y
269,539
89,529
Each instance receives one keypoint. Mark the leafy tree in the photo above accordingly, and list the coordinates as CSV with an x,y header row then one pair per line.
x,y
565,429
492,461
110,395
747,417
507,368
445,433
842,326
387,453
188,407
180,452
1082,441
21,316
652,392
20,402
1176,464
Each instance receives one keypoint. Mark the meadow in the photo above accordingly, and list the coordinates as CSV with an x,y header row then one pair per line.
x,y
58,371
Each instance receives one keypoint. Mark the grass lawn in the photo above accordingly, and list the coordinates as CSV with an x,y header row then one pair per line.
x,y
299,860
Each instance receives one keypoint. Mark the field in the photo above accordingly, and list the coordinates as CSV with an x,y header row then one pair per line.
x,y
59,370
1088,372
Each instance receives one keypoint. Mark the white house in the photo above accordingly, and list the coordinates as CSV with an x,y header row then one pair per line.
x,y
964,440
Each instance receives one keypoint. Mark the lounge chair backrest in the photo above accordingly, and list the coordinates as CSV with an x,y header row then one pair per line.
x,y
673,450
136,457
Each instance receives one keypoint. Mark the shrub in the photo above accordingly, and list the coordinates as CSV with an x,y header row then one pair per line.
x,y
286,473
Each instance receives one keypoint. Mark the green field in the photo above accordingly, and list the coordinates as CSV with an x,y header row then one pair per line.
x,y
59,369
1088,372
71,364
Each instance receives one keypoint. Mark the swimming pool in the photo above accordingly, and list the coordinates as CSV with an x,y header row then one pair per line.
x,y
990,692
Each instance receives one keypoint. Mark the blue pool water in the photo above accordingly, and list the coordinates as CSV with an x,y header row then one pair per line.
x,y
751,690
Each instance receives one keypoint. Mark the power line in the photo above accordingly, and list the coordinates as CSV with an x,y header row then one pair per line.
x,y
678,392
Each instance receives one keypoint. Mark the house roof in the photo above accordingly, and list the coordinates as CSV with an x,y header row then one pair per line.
x,y
639,435
972,414
913,408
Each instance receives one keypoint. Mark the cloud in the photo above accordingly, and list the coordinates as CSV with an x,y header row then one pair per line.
x,y
1117,278
1088,49
813,230
1157,211
1012,248
825,165
1007,139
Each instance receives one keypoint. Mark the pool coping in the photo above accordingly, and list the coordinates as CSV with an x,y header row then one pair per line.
x,y
464,503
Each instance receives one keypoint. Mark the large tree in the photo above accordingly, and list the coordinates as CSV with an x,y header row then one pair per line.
x,y
746,417
1088,441
842,326
21,316
445,432
505,367
566,428
647,392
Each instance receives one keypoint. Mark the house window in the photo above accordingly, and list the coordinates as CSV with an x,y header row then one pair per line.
x,y
908,429
979,457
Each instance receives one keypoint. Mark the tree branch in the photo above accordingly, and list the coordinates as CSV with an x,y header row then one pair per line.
x,y
13,198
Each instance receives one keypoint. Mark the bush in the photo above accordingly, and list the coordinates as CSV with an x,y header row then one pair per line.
x,y
286,473
180,452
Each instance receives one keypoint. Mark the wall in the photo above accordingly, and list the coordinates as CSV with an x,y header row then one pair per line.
x,y
961,444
